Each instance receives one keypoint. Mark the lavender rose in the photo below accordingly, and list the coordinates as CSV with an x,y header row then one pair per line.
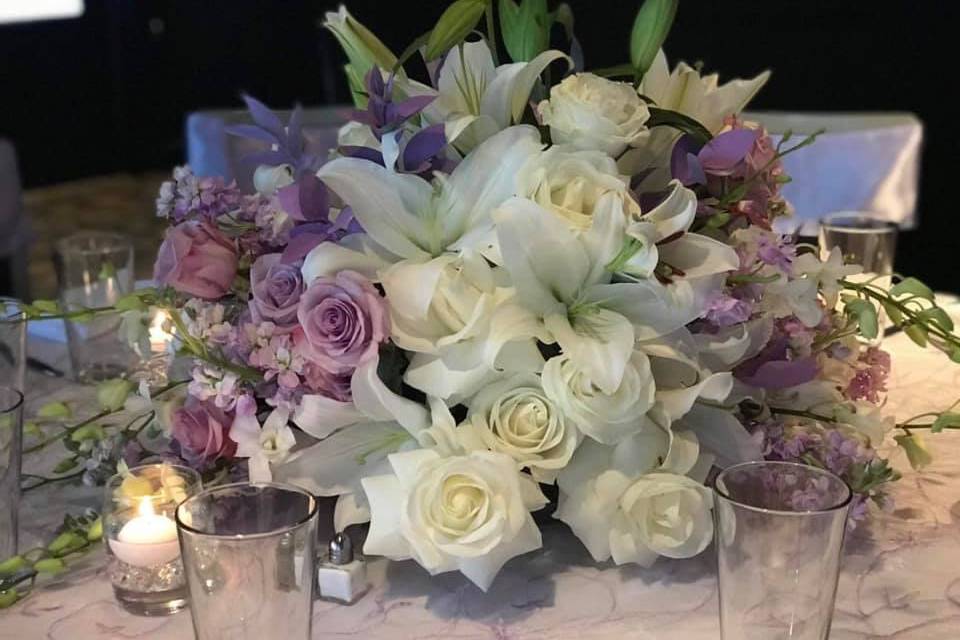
x,y
276,291
344,320
196,258
201,429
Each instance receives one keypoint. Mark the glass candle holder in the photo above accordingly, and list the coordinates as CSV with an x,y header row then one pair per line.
x,y
13,344
95,269
143,554
249,554
11,428
779,531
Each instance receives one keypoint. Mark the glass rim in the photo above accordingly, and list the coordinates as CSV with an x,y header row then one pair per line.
x,y
147,465
120,242
19,315
871,224
842,504
18,400
311,512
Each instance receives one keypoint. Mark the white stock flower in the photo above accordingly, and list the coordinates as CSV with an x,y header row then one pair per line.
x,y
573,184
469,513
590,112
605,417
515,417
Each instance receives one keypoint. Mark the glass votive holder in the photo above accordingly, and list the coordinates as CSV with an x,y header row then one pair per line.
x,y
143,554
249,554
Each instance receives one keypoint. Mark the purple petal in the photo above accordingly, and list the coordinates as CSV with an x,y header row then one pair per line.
x,y
424,145
364,153
299,246
783,374
264,117
374,82
314,200
684,164
411,106
250,131
722,154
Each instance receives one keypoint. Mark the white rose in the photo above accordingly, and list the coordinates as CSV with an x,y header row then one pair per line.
x,y
442,302
469,513
607,418
591,112
515,417
658,514
573,184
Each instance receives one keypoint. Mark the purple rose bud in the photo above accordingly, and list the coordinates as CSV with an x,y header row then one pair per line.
x,y
344,320
201,429
198,259
276,291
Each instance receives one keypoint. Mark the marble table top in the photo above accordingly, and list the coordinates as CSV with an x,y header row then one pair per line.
x,y
900,576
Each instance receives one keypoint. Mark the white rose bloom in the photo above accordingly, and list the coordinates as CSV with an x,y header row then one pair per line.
x,y
636,520
573,184
515,417
607,418
469,513
590,112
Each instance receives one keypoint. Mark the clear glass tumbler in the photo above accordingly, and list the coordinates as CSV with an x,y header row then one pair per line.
x,y
95,269
249,552
779,532
866,241
143,553
13,344
11,431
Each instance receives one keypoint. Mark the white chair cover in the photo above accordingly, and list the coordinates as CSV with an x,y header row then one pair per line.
x,y
863,162
15,235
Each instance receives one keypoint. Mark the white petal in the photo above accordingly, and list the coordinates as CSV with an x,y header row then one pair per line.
x,y
320,416
547,262
599,343
720,432
507,96
386,500
374,400
353,252
259,469
352,508
430,375
677,402
410,284
473,70
406,465
481,571
385,203
699,256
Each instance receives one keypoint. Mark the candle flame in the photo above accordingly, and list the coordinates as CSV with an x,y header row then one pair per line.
x,y
157,332
145,508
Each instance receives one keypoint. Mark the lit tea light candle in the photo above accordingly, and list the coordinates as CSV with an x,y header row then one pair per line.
x,y
147,539
159,336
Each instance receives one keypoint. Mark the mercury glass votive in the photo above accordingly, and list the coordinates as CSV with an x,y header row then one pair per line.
x,y
249,554
143,553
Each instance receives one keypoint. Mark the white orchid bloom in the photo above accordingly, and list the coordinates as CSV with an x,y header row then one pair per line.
x,y
469,513
561,278
826,273
475,99
262,446
866,418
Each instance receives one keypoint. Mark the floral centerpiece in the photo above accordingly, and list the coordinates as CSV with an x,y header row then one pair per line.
x,y
511,277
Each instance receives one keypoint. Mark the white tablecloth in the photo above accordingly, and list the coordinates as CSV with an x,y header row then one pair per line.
x,y
900,577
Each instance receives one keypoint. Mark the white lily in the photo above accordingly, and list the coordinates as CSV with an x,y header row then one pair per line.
x,y
475,99
262,446
561,278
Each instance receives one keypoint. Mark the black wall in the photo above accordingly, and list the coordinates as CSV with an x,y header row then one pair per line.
x,y
109,91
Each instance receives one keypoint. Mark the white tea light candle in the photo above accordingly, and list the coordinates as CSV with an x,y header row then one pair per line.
x,y
147,539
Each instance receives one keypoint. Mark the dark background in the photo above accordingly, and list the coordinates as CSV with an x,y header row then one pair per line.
x,y
109,91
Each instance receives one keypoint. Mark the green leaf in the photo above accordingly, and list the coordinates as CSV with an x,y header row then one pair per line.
x,y
937,316
131,302
50,565
686,124
12,565
945,420
31,428
54,410
525,28
8,598
917,333
46,306
866,315
915,449
617,71
454,25
911,286
717,220
894,313
650,29
111,394
67,540
65,465
955,353
88,432
95,532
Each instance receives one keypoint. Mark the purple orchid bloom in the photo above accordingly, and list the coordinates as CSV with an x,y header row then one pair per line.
x,y
289,141
305,237
419,154
382,114
721,156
